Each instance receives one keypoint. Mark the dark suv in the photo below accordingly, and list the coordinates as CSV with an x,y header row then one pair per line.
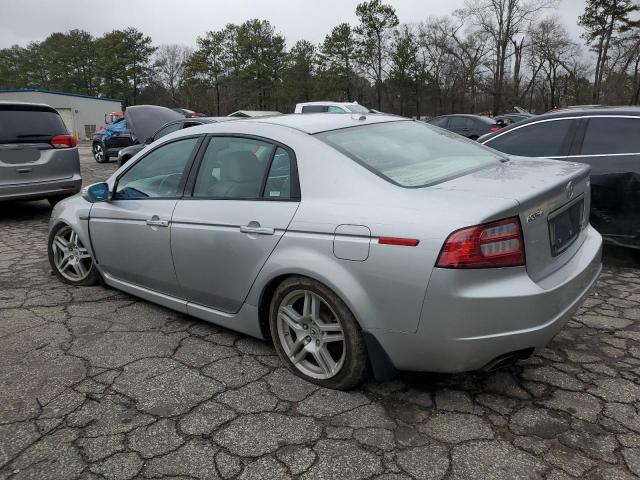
x,y
38,157
607,139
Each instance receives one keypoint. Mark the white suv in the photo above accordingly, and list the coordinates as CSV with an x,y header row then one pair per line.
x,y
330,107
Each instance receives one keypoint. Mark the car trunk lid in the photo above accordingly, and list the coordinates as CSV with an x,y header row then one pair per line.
x,y
554,201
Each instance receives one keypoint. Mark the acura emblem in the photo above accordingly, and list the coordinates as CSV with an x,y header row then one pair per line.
x,y
569,190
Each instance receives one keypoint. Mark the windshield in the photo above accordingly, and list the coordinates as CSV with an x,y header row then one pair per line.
x,y
357,109
411,154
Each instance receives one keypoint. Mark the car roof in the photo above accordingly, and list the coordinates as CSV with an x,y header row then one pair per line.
x,y
328,102
568,113
322,122
27,105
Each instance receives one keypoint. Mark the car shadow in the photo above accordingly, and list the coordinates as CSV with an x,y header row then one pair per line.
x,y
615,256
24,210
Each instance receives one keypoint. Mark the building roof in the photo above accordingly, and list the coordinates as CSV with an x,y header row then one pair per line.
x,y
322,122
42,90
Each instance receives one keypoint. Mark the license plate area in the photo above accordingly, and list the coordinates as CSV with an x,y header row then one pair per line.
x,y
565,225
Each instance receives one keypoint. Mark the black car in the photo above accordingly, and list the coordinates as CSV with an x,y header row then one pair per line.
x,y
138,124
510,118
470,126
607,139
125,154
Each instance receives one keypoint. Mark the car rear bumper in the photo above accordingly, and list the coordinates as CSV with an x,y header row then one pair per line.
x,y
37,190
470,318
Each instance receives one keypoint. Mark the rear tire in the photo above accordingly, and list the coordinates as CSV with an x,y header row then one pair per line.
x,y
99,152
69,258
316,335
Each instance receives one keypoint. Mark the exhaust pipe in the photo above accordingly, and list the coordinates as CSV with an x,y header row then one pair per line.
x,y
507,359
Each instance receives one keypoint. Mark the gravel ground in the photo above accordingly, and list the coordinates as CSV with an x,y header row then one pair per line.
x,y
97,384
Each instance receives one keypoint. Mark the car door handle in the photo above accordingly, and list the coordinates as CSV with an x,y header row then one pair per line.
x,y
156,222
258,230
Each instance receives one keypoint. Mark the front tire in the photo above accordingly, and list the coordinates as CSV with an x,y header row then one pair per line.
x,y
316,335
99,153
69,258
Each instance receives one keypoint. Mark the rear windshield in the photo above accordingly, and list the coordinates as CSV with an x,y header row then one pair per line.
x,y
411,154
28,125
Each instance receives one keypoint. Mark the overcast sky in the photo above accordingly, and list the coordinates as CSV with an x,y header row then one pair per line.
x,y
171,21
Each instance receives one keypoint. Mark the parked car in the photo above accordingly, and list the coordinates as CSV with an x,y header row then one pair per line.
x,y
607,139
188,113
508,119
470,126
351,242
138,124
253,113
38,157
330,107
127,153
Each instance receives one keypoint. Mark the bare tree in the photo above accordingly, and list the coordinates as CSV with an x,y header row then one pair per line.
x,y
503,21
169,65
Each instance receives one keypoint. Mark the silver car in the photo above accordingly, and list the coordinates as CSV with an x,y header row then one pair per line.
x,y
38,157
353,242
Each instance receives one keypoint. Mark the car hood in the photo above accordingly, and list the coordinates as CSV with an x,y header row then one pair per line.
x,y
145,120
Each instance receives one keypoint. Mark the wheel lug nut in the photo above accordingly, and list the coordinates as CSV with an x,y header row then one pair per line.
x,y
317,342
305,326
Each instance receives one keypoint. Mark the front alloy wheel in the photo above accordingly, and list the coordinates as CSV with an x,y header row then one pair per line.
x,y
316,335
69,258
98,153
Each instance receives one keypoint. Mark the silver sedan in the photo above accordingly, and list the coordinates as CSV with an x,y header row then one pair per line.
x,y
356,243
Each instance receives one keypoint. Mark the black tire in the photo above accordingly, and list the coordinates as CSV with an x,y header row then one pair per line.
x,y
354,369
99,152
92,278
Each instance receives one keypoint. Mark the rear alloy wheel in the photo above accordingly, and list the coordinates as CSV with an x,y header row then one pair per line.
x,y
69,258
316,335
99,153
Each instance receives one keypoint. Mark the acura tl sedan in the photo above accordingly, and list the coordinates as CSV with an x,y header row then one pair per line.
x,y
356,243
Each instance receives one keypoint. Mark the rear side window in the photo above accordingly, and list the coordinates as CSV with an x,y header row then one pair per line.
x,y
611,135
460,122
544,139
315,109
410,154
26,125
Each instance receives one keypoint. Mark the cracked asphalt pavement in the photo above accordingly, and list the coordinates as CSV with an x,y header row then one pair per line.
x,y
96,384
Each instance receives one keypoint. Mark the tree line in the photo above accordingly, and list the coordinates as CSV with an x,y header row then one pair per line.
x,y
487,57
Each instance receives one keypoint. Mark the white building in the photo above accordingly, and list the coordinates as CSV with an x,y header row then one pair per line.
x,y
82,114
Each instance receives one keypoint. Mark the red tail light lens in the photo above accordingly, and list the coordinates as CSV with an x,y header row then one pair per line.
x,y
64,141
495,129
496,244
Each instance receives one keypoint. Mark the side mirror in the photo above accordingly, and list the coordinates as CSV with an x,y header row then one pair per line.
x,y
98,192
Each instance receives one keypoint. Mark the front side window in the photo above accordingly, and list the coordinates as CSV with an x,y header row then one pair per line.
x,y
357,109
543,139
439,121
158,174
233,167
611,135
410,153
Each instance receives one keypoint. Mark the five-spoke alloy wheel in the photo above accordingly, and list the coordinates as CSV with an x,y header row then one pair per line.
x,y
98,153
69,258
316,335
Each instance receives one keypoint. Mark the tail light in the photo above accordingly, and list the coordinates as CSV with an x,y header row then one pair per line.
x,y
64,141
495,128
495,244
